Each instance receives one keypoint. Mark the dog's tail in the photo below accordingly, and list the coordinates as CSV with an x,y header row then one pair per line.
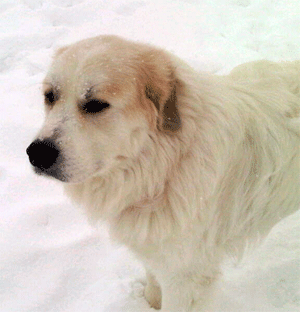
x,y
288,72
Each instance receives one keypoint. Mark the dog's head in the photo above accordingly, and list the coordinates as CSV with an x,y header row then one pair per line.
x,y
103,97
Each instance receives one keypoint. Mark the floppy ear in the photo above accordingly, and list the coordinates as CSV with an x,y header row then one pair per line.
x,y
161,89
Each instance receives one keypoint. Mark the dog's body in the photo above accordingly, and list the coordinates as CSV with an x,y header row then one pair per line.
x,y
185,167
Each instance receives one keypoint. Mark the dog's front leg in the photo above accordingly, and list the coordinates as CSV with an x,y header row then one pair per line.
x,y
188,293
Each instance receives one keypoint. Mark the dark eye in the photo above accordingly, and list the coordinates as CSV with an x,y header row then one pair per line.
x,y
50,97
94,106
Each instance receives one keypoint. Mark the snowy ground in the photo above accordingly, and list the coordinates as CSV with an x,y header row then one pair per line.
x,y
51,260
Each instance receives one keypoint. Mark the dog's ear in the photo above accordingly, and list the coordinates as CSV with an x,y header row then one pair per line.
x,y
161,89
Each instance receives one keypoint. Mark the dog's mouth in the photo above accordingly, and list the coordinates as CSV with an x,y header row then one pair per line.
x,y
53,172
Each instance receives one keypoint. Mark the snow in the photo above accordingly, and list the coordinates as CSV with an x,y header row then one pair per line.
x,y
51,259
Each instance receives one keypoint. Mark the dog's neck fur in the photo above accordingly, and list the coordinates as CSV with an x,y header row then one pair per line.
x,y
135,191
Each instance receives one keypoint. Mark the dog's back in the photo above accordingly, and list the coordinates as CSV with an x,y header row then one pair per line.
x,y
286,72
275,141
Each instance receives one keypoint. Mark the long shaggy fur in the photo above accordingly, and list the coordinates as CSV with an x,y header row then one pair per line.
x,y
215,167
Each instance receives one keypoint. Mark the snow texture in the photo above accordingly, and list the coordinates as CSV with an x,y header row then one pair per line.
x,y
51,259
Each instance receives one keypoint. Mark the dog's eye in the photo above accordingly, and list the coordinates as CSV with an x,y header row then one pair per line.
x,y
94,106
50,97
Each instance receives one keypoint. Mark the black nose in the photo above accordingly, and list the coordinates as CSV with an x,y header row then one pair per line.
x,y
42,153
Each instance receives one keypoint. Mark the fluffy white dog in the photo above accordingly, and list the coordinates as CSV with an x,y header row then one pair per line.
x,y
185,167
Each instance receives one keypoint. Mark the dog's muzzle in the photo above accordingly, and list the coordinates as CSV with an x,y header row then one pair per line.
x,y
46,158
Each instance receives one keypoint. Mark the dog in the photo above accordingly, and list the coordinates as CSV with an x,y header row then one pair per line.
x,y
185,167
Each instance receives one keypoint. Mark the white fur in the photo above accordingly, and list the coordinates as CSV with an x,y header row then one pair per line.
x,y
182,200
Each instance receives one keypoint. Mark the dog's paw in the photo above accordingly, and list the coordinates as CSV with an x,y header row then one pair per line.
x,y
152,294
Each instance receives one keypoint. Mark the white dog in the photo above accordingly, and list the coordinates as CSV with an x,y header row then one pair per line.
x,y
185,167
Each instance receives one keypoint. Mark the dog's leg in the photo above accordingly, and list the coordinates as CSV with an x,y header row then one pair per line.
x,y
153,292
188,293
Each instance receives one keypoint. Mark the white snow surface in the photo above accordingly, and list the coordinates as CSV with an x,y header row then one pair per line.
x,y
51,259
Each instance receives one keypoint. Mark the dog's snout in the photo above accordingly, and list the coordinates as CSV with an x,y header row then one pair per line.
x,y
43,153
